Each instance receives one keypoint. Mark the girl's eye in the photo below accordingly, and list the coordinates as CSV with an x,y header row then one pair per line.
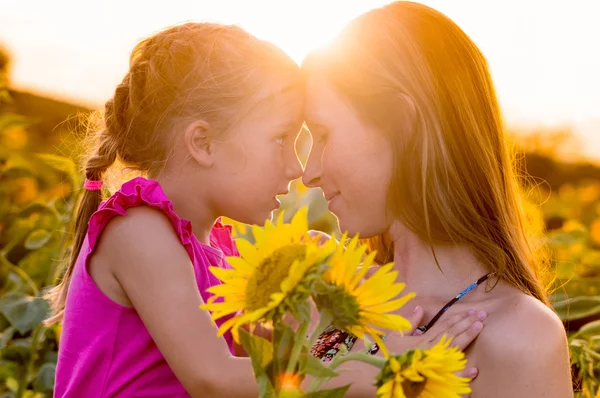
x,y
321,137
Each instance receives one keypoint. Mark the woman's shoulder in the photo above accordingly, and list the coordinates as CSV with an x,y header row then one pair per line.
x,y
520,333
521,322
518,313
522,339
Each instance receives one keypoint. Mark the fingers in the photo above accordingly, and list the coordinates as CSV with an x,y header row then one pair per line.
x,y
415,319
323,237
456,324
469,373
466,330
442,327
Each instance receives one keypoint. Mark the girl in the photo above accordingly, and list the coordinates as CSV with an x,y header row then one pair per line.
x,y
210,115
410,151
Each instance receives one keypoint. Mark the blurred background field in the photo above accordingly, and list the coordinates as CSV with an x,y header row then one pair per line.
x,y
40,142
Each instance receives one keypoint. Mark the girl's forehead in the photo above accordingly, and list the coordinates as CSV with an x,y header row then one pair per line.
x,y
281,105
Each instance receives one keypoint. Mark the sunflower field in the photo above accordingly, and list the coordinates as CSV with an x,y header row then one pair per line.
x,y
38,192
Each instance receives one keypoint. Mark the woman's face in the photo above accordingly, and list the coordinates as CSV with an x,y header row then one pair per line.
x,y
349,160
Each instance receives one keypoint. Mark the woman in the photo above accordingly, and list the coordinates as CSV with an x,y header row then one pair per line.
x,y
410,151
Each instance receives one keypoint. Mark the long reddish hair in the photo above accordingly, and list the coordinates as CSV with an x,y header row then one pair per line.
x,y
411,72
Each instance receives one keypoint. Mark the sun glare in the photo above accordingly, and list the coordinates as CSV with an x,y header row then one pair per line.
x,y
315,26
544,76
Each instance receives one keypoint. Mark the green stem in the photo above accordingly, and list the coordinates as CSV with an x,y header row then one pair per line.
x,y
55,269
22,383
276,363
297,348
324,322
37,332
17,270
28,370
378,362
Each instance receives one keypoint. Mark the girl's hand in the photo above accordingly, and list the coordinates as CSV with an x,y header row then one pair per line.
x,y
323,237
463,328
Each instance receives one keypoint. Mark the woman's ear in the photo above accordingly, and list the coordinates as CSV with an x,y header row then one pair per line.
x,y
198,141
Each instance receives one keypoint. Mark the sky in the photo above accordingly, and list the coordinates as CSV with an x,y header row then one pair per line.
x,y
543,55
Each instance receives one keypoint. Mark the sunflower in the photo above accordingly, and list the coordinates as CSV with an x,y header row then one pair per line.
x,y
271,277
391,383
358,304
431,372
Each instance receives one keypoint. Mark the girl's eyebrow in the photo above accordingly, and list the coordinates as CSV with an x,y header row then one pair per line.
x,y
316,126
291,126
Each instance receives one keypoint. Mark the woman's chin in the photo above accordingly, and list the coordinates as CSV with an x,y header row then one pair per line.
x,y
355,227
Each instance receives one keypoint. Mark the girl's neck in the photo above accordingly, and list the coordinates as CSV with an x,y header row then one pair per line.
x,y
188,205
416,265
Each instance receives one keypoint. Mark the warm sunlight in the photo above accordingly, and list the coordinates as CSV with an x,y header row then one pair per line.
x,y
262,191
545,77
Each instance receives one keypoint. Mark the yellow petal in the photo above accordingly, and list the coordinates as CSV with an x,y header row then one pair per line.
x,y
223,274
247,251
362,272
242,266
227,290
392,305
225,326
381,345
300,221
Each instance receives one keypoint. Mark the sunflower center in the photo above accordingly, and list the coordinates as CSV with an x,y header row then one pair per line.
x,y
270,273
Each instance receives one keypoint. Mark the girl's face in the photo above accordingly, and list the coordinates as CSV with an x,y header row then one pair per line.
x,y
349,161
257,160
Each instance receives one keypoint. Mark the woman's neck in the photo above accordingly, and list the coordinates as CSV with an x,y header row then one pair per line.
x,y
416,265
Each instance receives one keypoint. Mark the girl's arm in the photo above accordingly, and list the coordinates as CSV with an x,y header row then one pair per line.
x,y
459,327
152,266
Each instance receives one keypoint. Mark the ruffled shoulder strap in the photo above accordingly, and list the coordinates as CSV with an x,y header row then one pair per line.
x,y
136,192
221,237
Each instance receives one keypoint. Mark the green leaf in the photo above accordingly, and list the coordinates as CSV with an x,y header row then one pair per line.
x,y
38,263
567,238
284,336
258,348
265,387
44,380
578,308
19,229
595,343
48,215
12,120
304,311
333,393
260,351
37,239
18,351
3,321
64,165
589,330
314,367
12,384
6,336
8,369
22,311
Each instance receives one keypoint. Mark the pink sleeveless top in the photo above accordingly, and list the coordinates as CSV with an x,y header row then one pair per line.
x,y
105,349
